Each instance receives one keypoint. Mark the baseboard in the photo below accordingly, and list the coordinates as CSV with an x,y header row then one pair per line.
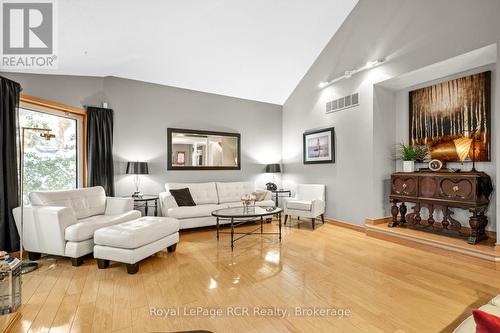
x,y
344,224
375,221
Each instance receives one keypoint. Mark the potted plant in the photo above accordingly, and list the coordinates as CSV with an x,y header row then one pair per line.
x,y
409,154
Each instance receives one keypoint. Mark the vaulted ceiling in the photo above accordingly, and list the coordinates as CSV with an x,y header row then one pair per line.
x,y
258,49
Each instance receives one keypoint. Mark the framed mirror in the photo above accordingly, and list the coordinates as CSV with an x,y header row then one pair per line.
x,y
202,150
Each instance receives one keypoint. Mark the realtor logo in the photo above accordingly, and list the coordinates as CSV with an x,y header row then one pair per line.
x,y
28,34
27,28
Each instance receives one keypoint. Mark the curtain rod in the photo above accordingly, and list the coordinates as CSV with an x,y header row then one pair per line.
x,y
104,106
3,77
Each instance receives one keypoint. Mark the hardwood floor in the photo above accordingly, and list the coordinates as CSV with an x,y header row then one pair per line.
x,y
386,286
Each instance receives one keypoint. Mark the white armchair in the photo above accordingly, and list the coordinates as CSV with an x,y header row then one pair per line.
x,y
309,202
63,222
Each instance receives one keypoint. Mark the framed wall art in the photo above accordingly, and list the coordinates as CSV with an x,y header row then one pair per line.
x,y
453,118
319,146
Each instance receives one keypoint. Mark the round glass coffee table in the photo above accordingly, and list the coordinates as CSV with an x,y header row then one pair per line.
x,y
237,216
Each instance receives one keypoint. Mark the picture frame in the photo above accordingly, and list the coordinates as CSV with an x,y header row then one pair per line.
x,y
173,133
319,146
453,118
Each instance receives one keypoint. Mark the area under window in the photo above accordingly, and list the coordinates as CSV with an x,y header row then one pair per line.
x,y
54,164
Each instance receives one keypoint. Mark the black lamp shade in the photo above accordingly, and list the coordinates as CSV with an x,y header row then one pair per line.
x,y
137,168
273,168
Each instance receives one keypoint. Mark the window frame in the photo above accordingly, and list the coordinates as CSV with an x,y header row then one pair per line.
x,y
59,109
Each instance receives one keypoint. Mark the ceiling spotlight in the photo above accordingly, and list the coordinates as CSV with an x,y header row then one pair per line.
x,y
373,63
323,84
348,74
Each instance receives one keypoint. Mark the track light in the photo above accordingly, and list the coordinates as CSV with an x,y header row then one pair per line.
x,y
348,74
371,64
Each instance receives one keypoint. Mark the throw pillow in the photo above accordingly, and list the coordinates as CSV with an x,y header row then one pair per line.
x,y
485,322
183,197
259,196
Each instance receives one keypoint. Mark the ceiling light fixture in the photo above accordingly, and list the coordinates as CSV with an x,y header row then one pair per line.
x,y
348,74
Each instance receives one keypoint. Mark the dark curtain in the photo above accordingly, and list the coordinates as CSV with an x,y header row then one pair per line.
x,y
100,149
9,184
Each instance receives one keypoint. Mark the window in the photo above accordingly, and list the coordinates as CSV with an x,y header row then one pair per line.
x,y
58,163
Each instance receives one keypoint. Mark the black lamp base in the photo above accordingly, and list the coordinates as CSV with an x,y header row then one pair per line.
x,y
137,194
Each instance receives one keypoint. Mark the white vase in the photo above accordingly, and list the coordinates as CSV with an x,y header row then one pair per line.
x,y
408,166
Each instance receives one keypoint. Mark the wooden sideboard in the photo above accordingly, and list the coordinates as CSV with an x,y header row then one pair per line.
x,y
440,191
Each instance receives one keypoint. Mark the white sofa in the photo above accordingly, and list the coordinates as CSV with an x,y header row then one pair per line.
x,y
63,222
469,325
208,197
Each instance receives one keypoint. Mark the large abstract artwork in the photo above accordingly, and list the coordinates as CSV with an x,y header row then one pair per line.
x,y
453,118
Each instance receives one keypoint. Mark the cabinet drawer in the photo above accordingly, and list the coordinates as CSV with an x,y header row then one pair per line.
x,y
402,185
457,188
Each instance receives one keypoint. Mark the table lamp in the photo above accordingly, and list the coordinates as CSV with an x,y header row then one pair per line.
x,y
137,168
464,146
272,168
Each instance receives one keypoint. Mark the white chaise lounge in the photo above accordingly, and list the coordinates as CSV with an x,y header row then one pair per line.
x,y
208,197
63,222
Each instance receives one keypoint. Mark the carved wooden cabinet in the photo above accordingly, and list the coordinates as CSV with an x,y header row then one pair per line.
x,y
440,191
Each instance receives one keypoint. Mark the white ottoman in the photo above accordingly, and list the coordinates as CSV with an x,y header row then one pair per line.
x,y
132,241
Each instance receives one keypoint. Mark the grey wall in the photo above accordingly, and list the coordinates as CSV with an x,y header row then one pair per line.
x,y
143,112
410,35
75,91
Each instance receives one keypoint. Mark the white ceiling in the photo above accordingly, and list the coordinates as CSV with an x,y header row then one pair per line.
x,y
253,49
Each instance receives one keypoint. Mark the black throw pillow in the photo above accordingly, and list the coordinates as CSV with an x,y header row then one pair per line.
x,y
183,197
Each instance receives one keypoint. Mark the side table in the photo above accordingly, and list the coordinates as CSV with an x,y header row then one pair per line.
x,y
145,202
281,194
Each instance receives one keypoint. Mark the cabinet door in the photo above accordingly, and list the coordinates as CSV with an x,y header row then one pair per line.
x,y
404,185
455,188
428,187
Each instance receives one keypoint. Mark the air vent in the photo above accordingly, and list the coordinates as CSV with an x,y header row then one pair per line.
x,y
342,103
